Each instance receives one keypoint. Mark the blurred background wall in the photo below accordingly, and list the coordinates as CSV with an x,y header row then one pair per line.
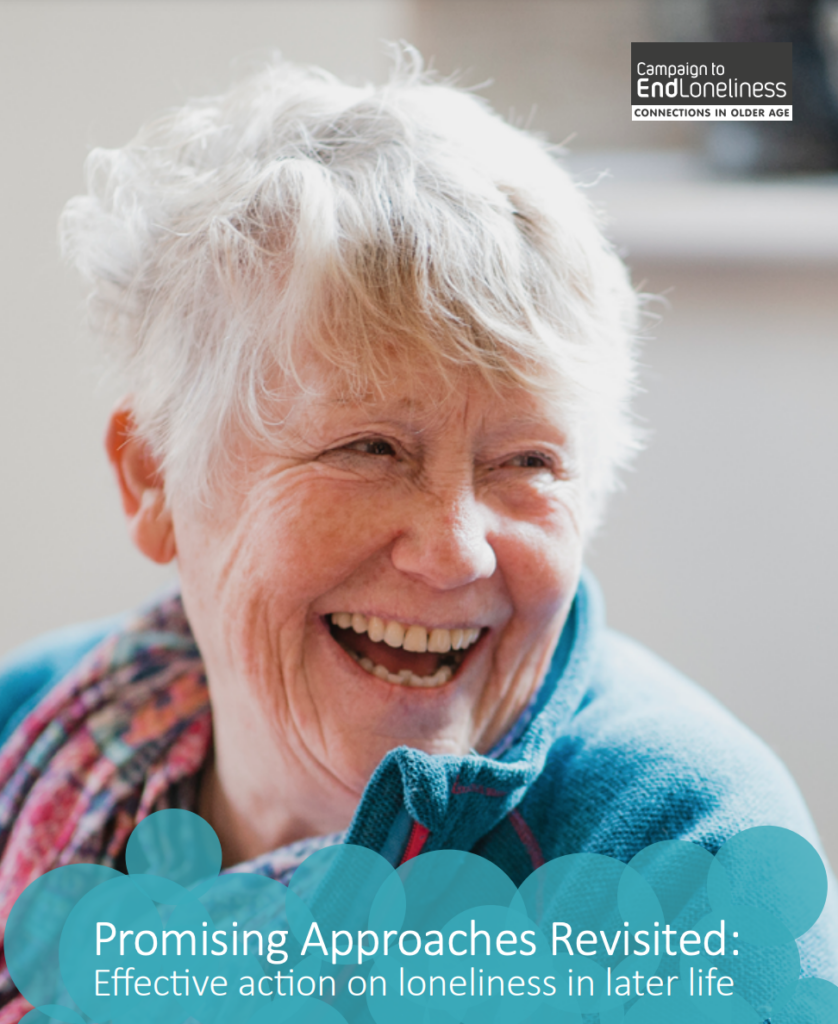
x,y
721,553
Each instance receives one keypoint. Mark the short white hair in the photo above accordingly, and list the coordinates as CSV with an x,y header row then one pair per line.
x,y
293,211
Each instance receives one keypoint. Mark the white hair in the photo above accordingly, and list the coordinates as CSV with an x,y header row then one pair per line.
x,y
235,233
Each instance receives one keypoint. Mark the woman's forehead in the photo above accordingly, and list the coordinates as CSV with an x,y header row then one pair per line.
x,y
417,402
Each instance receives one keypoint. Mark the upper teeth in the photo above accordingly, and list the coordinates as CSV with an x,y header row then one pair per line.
x,y
409,638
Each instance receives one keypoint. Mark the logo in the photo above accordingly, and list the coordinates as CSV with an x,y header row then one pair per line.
x,y
711,81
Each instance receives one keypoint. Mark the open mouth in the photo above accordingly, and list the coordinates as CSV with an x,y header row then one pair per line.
x,y
407,655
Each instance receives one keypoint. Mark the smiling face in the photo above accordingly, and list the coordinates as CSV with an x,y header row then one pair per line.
x,y
396,571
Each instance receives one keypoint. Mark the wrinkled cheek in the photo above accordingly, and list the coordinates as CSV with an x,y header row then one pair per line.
x,y
310,545
547,572
265,587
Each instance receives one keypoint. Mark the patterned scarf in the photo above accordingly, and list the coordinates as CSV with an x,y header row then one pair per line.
x,y
123,734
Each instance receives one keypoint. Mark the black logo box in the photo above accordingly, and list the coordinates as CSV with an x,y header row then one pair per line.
x,y
742,62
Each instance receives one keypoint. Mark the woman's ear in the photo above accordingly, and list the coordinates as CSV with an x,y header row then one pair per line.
x,y
141,486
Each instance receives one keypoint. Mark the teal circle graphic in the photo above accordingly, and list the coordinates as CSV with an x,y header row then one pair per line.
x,y
676,935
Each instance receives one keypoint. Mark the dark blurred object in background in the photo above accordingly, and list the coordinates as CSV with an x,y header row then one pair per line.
x,y
810,141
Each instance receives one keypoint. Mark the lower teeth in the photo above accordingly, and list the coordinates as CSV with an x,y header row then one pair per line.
x,y
405,677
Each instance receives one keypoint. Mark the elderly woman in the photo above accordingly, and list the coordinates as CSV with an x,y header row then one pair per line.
x,y
376,358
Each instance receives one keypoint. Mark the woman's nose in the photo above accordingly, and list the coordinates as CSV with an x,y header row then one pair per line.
x,y
445,541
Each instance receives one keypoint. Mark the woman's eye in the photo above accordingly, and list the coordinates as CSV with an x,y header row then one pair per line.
x,y
372,446
530,460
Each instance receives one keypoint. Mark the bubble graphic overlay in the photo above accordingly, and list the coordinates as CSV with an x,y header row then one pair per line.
x,y
676,935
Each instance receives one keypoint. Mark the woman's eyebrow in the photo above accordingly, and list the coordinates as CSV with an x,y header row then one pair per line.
x,y
529,423
410,414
